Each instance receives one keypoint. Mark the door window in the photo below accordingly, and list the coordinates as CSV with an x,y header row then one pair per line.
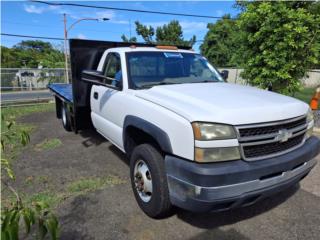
x,y
112,70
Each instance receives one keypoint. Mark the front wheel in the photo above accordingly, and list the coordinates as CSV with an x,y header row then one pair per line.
x,y
149,182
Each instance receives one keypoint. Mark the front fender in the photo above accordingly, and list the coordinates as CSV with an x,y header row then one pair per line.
x,y
157,133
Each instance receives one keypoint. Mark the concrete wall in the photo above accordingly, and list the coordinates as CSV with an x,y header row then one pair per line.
x,y
312,79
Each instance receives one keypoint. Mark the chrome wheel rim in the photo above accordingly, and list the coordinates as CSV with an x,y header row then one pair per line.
x,y
143,180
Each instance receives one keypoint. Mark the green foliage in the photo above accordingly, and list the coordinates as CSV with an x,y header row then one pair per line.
x,y
125,39
221,42
32,53
13,142
170,34
145,32
305,94
49,197
38,214
280,43
92,184
48,144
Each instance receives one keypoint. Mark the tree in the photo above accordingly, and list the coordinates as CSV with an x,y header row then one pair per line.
x,y
145,32
32,53
170,34
34,45
8,57
125,39
280,43
221,42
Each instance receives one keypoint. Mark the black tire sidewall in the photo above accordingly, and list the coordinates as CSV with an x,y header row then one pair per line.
x,y
159,204
66,124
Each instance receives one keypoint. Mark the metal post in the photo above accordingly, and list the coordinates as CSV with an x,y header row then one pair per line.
x,y
65,48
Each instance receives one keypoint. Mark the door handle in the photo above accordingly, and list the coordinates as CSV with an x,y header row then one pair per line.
x,y
95,95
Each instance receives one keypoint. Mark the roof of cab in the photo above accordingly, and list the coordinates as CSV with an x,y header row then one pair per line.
x,y
146,49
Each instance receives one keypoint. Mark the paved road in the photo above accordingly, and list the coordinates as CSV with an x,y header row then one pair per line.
x,y
25,95
112,212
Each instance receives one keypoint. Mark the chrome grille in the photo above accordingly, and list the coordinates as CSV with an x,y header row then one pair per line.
x,y
261,141
245,132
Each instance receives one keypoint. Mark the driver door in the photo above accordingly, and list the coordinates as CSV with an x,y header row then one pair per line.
x,y
105,101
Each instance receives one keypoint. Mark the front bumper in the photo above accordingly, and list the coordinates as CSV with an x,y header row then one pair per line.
x,y
226,185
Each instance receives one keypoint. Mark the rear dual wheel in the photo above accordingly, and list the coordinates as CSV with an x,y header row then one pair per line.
x,y
65,118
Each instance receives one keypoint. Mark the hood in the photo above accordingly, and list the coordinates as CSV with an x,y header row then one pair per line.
x,y
224,103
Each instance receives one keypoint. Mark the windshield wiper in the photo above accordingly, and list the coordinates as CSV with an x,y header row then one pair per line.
x,y
204,81
157,84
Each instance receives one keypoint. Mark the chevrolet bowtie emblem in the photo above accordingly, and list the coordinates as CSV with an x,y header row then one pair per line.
x,y
283,135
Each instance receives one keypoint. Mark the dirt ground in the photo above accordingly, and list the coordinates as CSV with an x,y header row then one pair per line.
x,y
111,212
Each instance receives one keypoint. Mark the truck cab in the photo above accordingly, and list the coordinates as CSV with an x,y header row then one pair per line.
x,y
193,140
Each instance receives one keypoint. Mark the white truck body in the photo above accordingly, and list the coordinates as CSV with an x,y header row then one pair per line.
x,y
164,131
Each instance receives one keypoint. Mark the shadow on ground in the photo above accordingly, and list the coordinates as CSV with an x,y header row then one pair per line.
x,y
217,219
91,138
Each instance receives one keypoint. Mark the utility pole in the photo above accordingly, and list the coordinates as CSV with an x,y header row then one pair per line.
x,y
65,48
66,30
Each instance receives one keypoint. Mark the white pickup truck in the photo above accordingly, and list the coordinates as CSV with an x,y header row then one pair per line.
x,y
193,140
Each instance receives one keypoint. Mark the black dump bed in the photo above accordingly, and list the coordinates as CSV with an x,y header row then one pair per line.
x,y
86,55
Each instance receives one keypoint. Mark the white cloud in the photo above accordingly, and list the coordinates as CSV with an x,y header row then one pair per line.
x,y
119,21
219,13
52,7
33,9
81,36
105,14
189,27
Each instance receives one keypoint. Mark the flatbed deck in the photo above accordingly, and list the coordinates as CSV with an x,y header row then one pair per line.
x,y
63,90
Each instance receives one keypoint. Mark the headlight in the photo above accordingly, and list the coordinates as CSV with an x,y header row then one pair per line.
x,y
205,155
212,131
310,116
310,122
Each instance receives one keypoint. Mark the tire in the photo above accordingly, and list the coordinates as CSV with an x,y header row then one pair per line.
x,y
158,205
65,118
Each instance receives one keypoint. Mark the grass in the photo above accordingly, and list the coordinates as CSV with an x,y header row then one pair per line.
x,y
15,112
92,184
13,148
53,198
305,94
49,197
48,144
13,145
73,189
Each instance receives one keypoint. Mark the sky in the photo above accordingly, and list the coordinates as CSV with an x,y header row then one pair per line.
x,y
31,18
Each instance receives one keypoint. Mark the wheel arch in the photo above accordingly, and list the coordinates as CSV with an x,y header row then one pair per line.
x,y
147,133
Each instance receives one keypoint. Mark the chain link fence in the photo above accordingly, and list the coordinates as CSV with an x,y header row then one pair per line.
x,y
312,78
28,79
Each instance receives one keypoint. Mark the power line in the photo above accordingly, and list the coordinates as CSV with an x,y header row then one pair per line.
x,y
28,36
127,9
42,37
47,26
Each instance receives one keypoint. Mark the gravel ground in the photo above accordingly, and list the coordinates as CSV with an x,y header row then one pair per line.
x,y
112,212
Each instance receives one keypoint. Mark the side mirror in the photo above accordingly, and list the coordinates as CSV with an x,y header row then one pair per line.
x,y
224,74
97,78
92,76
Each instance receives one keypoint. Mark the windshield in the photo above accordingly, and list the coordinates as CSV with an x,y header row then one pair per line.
x,y
148,69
